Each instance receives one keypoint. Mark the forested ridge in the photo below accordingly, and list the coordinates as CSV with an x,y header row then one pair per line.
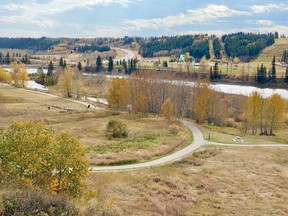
x,y
242,45
196,45
246,45
35,44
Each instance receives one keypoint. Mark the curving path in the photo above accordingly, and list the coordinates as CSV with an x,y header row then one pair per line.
x,y
196,144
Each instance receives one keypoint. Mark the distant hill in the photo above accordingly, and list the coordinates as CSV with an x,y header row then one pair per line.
x,y
276,49
196,45
39,44
246,45
242,45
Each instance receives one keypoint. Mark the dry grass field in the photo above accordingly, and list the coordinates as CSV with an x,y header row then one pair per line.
x,y
149,137
227,181
211,181
226,135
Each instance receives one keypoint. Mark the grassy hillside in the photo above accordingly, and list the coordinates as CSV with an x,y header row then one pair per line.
x,y
148,137
276,49
238,181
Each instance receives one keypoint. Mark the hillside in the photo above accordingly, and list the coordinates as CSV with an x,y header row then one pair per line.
x,y
276,49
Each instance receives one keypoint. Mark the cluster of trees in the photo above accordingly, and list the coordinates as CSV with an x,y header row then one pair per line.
x,y
158,94
18,76
218,50
265,115
246,45
214,72
155,44
199,49
92,48
71,82
34,44
33,155
146,93
128,66
196,45
47,79
264,75
8,58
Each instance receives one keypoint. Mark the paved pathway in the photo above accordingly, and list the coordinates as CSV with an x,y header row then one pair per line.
x,y
196,144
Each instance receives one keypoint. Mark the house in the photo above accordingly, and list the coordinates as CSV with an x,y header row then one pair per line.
x,y
182,58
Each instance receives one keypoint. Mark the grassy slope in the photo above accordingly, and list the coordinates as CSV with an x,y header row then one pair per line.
x,y
228,181
148,138
276,49
226,134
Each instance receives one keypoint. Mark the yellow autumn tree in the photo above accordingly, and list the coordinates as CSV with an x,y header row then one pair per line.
x,y
5,77
118,94
168,109
19,74
187,57
274,112
140,104
32,155
66,82
71,83
70,165
203,64
201,102
254,111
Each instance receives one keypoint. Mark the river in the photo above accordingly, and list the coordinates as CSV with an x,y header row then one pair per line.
x,y
225,88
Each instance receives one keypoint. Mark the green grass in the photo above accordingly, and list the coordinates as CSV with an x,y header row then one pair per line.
x,y
226,135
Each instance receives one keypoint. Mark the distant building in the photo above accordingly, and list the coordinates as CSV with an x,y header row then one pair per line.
x,y
182,58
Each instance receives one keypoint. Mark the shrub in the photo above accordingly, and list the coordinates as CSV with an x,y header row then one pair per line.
x,y
174,129
32,202
116,129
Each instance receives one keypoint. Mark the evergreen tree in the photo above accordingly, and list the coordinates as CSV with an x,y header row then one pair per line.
x,y
276,35
211,73
1,57
165,64
286,75
216,70
110,64
64,64
273,72
50,69
124,64
261,74
135,65
99,64
284,56
61,63
79,66
7,58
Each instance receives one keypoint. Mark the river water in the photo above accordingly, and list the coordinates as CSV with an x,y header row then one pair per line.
x,y
225,88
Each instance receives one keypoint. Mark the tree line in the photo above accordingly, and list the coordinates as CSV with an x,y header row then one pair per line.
x,y
146,92
196,45
92,48
8,58
218,50
246,45
154,45
35,44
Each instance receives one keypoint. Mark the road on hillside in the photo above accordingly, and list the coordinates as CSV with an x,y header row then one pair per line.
x,y
128,55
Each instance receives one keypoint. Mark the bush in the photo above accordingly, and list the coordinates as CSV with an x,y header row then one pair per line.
x,y
174,129
32,202
116,129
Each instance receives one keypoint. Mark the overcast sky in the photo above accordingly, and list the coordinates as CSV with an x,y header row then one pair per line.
x,y
118,18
